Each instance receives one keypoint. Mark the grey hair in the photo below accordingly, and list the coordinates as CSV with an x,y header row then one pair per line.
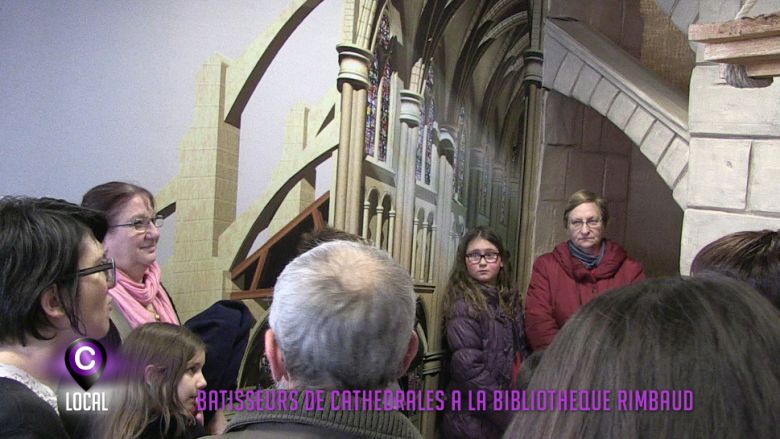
x,y
343,315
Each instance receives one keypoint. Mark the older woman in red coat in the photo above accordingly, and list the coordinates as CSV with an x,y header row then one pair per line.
x,y
576,271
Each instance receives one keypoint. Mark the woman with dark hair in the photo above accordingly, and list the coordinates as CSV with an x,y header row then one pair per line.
x,y
713,337
751,256
53,281
484,330
577,270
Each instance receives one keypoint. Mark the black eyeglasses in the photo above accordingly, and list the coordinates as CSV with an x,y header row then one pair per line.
x,y
143,224
475,257
109,267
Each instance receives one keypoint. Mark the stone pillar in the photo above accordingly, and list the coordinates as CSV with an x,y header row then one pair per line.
x,y
415,248
531,149
379,224
406,182
366,218
444,201
391,232
352,81
432,260
477,169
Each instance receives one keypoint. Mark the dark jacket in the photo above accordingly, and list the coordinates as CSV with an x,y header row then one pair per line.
x,y
560,285
25,415
155,431
482,346
300,423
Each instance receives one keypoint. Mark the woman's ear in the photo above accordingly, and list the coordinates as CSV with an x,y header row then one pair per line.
x,y
51,304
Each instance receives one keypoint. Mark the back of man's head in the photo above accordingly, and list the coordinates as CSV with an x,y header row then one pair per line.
x,y
342,316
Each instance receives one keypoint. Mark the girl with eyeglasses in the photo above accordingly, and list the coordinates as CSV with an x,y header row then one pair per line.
x,y
577,270
484,333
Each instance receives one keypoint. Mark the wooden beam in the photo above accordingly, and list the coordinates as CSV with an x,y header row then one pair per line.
x,y
735,30
744,51
264,293
764,70
259,269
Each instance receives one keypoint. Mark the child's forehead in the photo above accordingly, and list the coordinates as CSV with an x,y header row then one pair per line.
x,y
199,356
481,244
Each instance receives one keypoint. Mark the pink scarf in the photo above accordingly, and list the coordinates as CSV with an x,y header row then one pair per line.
x,y
132,298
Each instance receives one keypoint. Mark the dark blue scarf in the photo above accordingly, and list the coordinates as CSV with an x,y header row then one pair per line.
x,y
588,260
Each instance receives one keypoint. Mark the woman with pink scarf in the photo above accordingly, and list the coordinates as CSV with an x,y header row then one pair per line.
x,y
139,296
134,229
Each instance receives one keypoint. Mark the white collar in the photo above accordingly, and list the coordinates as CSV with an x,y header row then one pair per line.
x,y
42,390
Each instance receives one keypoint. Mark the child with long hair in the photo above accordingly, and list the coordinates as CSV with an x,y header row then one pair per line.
x,y
158,385
484,329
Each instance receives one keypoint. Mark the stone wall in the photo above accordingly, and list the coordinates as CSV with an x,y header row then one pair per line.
x,y
734,150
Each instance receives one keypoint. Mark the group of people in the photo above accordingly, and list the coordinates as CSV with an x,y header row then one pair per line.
x,y
589,322
343,318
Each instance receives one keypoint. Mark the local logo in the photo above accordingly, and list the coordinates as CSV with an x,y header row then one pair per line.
x,y
85,359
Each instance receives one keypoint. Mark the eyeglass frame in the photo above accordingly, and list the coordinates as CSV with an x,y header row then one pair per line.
x,y
144,223
592,223
470,257
105,266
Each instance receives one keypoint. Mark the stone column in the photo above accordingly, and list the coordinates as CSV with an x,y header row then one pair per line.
x,y
415,248
352,81
379,224
444,200
477,169
406,182
366,217
531,149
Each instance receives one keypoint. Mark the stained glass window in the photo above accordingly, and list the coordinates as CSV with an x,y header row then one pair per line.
x,y
385,112
373,106
425,137
429,102
373,85
460,156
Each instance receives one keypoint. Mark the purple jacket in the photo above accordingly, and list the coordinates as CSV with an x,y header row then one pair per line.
x,y
482,348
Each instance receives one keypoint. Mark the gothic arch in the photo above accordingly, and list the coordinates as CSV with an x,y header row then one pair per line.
x,y
585,66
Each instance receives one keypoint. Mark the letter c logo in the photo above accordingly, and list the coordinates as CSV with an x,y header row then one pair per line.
x,y
81,365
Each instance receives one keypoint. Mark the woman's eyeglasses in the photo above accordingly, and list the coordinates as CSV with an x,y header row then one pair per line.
x,y
143,224
474,258
108,267
578,224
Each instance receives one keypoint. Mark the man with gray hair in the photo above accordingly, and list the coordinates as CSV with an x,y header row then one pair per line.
x,y
341,324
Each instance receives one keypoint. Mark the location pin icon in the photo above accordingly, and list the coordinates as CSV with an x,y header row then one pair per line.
x,y
85,359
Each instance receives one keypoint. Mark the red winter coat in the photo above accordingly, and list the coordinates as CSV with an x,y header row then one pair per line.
x,y
560,285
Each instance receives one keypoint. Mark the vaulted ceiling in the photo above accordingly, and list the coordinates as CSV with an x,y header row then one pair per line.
x,y
477,51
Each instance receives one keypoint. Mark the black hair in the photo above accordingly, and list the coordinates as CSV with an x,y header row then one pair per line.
x,y
40,244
